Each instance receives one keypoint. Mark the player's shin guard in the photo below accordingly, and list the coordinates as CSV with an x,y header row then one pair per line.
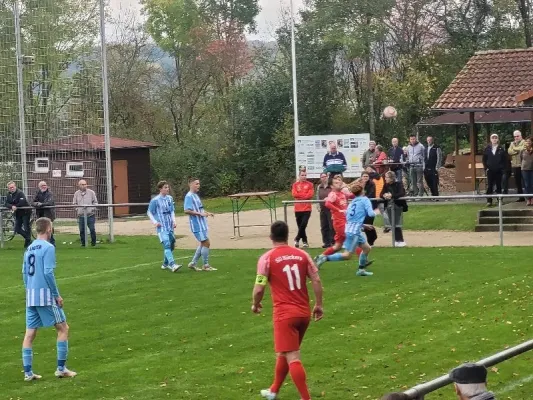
x,y
299,378
62,352
205,255
335,257
197,254
280,373
363,260
27,359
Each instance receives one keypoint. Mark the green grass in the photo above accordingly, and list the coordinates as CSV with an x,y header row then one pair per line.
x,y
141,333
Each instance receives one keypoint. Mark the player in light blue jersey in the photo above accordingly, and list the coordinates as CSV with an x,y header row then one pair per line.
x,y
44,305
357,211
198,221
161,213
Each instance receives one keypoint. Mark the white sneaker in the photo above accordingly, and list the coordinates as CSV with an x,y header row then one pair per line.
x,y
176,268
32,377
267,394
193,266
163,267
66,373
208,267
400,244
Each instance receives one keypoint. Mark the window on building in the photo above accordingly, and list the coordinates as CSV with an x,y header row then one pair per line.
x,y
74,170
42,165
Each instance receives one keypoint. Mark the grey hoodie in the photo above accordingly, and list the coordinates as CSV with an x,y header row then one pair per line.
x,y
416,154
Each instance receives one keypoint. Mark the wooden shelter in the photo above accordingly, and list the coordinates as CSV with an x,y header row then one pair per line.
x,y
494,86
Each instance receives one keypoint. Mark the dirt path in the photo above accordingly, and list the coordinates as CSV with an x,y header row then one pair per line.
x,y
221,231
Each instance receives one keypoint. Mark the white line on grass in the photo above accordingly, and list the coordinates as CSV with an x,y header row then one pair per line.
x,y
514,385
105,271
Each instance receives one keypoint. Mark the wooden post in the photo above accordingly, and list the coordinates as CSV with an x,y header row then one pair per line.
x,y
531,119
473,140
456,140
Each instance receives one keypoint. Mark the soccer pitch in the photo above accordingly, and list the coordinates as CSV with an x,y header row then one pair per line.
x,y
138,332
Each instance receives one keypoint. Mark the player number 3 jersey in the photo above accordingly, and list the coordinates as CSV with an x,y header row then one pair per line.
x,y
287,269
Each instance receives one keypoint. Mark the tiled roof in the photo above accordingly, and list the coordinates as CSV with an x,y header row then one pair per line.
x,y
490,79
88,143
489,117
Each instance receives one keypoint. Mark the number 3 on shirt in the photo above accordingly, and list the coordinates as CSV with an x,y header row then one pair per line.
x,y
289,271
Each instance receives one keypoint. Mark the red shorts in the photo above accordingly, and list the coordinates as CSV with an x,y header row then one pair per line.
x,y
340,235
289,333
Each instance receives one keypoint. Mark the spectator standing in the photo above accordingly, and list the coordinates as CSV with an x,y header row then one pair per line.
x,y
405,168
86,197
391,193
416,156
527,169
494,162
368,223
326,224
16,201
43,201
470,381
381,158
396,156
515,151
334,161
302,189
433,161
369,156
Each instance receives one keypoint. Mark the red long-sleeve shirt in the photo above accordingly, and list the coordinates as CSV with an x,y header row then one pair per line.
x,y
302,191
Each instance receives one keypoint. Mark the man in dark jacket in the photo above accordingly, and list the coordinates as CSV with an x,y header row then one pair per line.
x,y
495,163
15,201
43,201
433,161
334,161
396,155
326,224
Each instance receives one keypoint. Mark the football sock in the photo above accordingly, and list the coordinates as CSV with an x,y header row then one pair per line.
x,y
62,351
205,255
280,373
363,259
329,251
169,256
27,358
335,257
299,378
197,254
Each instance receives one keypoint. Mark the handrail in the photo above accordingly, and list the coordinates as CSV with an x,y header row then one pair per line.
x,y
419,391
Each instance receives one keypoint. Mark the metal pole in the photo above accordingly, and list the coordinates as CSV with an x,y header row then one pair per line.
x,y
294,89
285,216
393,223
500,219
1,229
107,130
20,94
85,228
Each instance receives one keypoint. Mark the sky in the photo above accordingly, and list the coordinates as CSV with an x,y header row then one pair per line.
x,y
267,21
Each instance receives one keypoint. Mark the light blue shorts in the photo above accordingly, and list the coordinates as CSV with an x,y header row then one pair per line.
x,y
44,316
201,236
352,241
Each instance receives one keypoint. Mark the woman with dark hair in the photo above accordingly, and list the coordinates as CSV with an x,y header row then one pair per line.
x,y
391,193
370,192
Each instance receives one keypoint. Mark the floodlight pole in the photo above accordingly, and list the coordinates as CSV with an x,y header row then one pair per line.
x,y
294,90
20,94
107,130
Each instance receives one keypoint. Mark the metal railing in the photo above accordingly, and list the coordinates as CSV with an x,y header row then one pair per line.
x,y
85,216
499,197
419,391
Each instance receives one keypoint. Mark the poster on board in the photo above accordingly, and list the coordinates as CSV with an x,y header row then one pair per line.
x,y
310,152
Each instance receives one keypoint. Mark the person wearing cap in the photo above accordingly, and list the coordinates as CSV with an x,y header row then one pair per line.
x,y
515,151
495,163
470,381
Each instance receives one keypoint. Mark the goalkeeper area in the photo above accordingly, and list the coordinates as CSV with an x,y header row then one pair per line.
x,y
138,332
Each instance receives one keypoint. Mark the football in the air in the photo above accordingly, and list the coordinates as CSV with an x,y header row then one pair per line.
x,y
389,112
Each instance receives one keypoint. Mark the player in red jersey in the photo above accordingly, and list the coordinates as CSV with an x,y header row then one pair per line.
x,y
286,268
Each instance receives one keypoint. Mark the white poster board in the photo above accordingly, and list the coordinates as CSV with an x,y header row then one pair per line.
x,y
310,152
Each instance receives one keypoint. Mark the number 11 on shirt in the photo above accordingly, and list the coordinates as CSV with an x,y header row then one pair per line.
x,y
289,271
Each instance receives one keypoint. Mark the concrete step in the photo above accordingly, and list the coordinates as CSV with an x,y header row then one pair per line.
x,y
506,220
506,228
493,212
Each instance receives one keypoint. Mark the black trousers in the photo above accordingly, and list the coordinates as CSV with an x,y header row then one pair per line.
x,y
517,172
326,226
22,227
494,178
371,234
432,180
302,219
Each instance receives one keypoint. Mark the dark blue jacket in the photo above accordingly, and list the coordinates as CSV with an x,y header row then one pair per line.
x,y
335,162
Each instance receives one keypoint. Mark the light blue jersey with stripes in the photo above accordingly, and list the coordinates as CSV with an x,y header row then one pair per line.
x,y
161,210
38,274
357,211
193,202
